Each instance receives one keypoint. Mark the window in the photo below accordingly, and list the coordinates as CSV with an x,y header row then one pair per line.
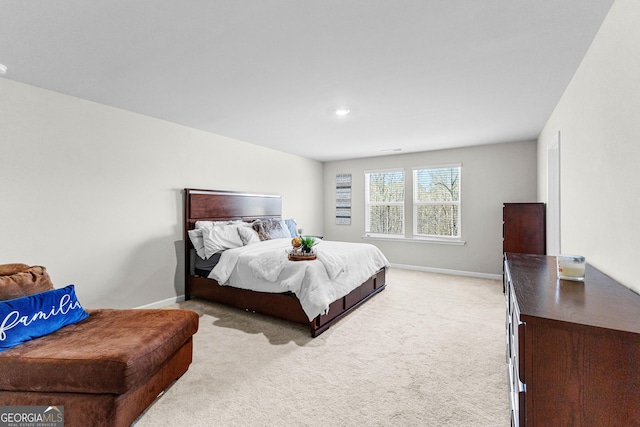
x,y
436,202
384,194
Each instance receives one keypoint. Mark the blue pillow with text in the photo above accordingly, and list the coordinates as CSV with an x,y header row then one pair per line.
x,y
23,319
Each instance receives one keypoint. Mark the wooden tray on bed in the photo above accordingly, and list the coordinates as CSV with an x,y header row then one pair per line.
x,y
294,257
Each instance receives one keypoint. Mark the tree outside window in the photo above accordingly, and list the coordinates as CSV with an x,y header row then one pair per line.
x,y
385,202
436,201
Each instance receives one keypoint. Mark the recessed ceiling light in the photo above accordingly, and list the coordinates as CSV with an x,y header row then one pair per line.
x,y
3,69
342,111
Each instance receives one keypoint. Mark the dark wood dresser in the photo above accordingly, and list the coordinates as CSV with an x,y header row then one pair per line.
x,y
573,348
524,228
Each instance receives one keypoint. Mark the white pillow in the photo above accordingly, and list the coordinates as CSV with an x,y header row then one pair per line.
x,y
248,235
220,237
209,224
198,242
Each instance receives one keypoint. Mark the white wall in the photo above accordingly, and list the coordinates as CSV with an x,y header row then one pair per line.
x,y
599,120
94,193
491,175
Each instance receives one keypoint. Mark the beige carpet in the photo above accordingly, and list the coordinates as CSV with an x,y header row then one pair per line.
x,y
427,351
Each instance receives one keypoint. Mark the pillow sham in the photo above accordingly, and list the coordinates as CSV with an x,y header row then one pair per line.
x,y
271,229
197,240
196,237
23,319
209,224
219,238
248,235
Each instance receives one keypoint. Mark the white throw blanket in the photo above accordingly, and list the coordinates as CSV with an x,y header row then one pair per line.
x,y
268,265
334,262
340,267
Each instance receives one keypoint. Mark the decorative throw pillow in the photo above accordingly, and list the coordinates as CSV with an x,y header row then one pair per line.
x,y
33,316
271,229
19,280
9,269
283,231
292,226
248,235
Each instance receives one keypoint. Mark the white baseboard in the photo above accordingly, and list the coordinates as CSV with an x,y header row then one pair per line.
x,y
164,303
447,271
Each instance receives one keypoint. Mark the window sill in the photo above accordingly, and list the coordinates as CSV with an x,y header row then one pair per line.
x,y
432,240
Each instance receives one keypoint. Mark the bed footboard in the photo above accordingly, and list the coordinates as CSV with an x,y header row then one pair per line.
x,y
349,302
285,306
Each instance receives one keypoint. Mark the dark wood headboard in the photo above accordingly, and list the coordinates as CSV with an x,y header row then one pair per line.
x,y
215,205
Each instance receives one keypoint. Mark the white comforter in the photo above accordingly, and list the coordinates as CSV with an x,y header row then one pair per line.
x,y
339,268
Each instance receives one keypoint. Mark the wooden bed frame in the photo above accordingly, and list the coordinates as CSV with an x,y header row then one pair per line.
x,y
211,205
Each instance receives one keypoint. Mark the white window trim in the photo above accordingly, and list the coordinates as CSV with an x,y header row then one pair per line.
x,y
438,166
384,170
431,240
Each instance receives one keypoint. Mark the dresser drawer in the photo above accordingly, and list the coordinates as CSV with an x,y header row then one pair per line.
x,y
515,331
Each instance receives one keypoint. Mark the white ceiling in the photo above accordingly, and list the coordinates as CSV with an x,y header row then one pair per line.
x,y
417,74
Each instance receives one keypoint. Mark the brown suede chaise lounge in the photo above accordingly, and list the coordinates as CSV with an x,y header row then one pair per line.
x,y
104,370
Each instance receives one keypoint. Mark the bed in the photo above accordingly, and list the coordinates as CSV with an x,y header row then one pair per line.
x,y
227,206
